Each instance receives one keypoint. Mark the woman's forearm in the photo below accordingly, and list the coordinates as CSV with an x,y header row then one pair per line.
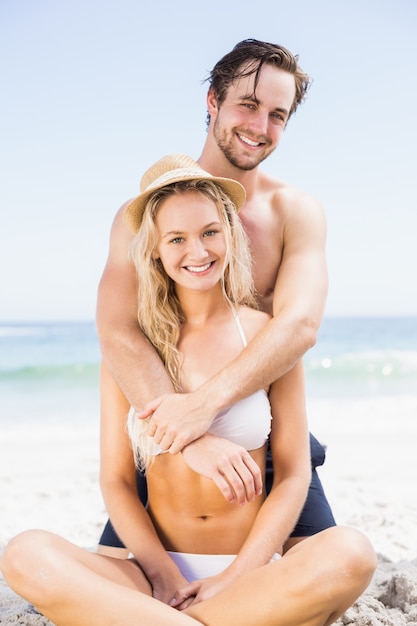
x,y
273,525
134,527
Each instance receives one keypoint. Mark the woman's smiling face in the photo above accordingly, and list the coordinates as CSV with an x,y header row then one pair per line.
x,y
192,245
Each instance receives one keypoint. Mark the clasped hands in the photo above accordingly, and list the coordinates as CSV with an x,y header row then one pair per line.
x,y
179,424
174,590
200,590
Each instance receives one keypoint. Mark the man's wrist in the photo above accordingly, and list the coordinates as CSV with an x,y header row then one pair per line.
x,y
213,397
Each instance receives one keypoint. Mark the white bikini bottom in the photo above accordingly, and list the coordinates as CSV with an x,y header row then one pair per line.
x,y
196,566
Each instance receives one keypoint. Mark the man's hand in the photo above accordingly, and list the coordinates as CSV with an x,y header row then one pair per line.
x,y
176,420
228,465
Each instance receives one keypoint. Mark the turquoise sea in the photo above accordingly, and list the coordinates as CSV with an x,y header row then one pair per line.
x,y
49,371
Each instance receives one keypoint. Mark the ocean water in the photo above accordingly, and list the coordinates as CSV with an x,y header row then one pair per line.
x,y
364,357
49,371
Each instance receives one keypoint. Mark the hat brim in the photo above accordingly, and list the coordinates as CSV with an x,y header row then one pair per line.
x,y
133,212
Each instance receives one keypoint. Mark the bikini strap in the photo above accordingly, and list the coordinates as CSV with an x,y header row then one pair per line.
x,y
239,327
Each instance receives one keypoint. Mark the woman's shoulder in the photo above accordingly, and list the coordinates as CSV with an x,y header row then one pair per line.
x,y
252,320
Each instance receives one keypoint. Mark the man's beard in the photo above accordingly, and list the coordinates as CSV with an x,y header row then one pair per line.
x,y
241,162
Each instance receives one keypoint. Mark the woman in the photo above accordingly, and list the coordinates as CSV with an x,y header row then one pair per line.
x,y
200,555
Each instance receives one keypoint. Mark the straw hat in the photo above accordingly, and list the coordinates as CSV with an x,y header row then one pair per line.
x,y
174,168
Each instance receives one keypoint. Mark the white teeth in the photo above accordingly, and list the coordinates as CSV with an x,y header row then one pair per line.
x,y
249,141
200,268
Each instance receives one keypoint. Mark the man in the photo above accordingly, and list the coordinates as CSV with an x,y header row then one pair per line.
x,y
253,92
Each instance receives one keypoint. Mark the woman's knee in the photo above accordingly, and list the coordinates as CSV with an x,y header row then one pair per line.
x,y
354,552
343,556
24,558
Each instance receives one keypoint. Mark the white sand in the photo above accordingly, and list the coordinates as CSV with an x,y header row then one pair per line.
x,y
369,477
49,479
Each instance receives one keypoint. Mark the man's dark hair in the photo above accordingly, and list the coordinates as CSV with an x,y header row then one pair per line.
x,y
247,58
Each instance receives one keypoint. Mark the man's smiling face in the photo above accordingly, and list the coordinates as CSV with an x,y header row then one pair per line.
x,y
248,124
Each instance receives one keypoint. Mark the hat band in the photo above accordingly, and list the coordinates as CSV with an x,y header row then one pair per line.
x,y
174,175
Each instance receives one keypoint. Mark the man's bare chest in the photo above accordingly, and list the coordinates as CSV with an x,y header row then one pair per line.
x,y
266,245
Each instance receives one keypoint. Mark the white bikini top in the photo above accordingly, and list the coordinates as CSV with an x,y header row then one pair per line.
x,y
248,422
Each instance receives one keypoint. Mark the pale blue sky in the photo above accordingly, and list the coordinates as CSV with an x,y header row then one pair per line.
x,y
93,92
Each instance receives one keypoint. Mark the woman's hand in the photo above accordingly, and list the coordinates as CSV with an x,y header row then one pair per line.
x,y
166,584
200,590
228,465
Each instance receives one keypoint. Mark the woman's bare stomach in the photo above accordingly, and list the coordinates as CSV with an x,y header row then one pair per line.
x,y
189,512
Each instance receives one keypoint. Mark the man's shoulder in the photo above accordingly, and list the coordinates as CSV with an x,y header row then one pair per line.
x,y
121,210
120,234
282,189
286,198
119,221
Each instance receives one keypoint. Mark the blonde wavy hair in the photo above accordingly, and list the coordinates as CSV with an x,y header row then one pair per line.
x,y
159,311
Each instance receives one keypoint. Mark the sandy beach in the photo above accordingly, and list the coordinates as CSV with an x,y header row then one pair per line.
x,y
49,479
